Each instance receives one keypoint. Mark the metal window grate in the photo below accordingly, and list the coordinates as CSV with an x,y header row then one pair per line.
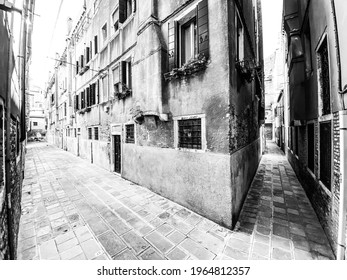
x,y
130,133
96,133
325,154
90,133
189,134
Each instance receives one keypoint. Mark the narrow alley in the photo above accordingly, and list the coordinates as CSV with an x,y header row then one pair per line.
x,y
75,210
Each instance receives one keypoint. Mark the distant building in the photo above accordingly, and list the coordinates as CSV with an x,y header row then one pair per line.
x,y
37,118
316,59
168,94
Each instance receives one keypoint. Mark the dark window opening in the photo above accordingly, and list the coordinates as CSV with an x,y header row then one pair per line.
x,y
130,133
95,45
96,133
35,124
310,146
324,77
189,134
90,133
325,153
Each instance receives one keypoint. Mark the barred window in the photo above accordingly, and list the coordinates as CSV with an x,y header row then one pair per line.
x,y
189,134
130,133
90,133
96,133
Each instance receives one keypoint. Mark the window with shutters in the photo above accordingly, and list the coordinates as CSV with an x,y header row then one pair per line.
x,y
83,100
77,102
122,79
77,68
189,37
126,9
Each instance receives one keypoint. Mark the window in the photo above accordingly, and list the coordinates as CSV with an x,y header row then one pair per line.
x,y
95,44
239,39
324,76
75,130
189,134
130,133
325,153
116,79
104,89
310,146
188,41
307,45
115,20
77,67
81,62
126,8
89,53
90,133
65,109
83,100
35,124
104,32
126,74
77,102
96,133
92,94
189,36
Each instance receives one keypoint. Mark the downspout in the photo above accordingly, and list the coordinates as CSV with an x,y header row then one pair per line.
x,y
341,237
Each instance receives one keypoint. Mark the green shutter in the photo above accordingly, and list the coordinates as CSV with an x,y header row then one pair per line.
x,y
203,34
173,55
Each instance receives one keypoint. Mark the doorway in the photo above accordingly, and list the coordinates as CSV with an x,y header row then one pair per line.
x,y
117,153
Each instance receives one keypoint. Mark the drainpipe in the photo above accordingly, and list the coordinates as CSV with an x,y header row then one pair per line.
x,y
341,241
341,238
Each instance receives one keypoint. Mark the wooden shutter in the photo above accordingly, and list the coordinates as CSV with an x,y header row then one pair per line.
x,y
203,34
134,6
95,44
173,55
87,55
88,96
98,92
90,50
129,76
122,11
82,61
77,69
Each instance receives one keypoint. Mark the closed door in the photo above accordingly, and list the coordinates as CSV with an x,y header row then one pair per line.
x,y
117,153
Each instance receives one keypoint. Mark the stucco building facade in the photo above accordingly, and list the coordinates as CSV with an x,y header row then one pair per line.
x,y
315,101
13,70
167,94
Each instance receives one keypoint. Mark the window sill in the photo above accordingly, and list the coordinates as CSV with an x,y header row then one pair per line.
x,y
198,151
190,68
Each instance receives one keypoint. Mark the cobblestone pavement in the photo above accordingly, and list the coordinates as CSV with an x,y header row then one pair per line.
x,y
75,210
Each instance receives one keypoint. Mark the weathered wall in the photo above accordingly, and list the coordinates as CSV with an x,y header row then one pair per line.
x,y
243,166
199,181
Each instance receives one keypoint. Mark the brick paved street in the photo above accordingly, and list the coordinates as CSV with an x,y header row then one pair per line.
x,y
75,210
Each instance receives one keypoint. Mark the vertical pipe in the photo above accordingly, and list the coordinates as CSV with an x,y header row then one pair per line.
x,y
341,241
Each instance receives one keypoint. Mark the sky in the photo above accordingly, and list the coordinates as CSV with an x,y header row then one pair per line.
x,y
272,21
50,20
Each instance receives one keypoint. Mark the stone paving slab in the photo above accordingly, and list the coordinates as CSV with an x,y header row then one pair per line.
x,y
73,210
